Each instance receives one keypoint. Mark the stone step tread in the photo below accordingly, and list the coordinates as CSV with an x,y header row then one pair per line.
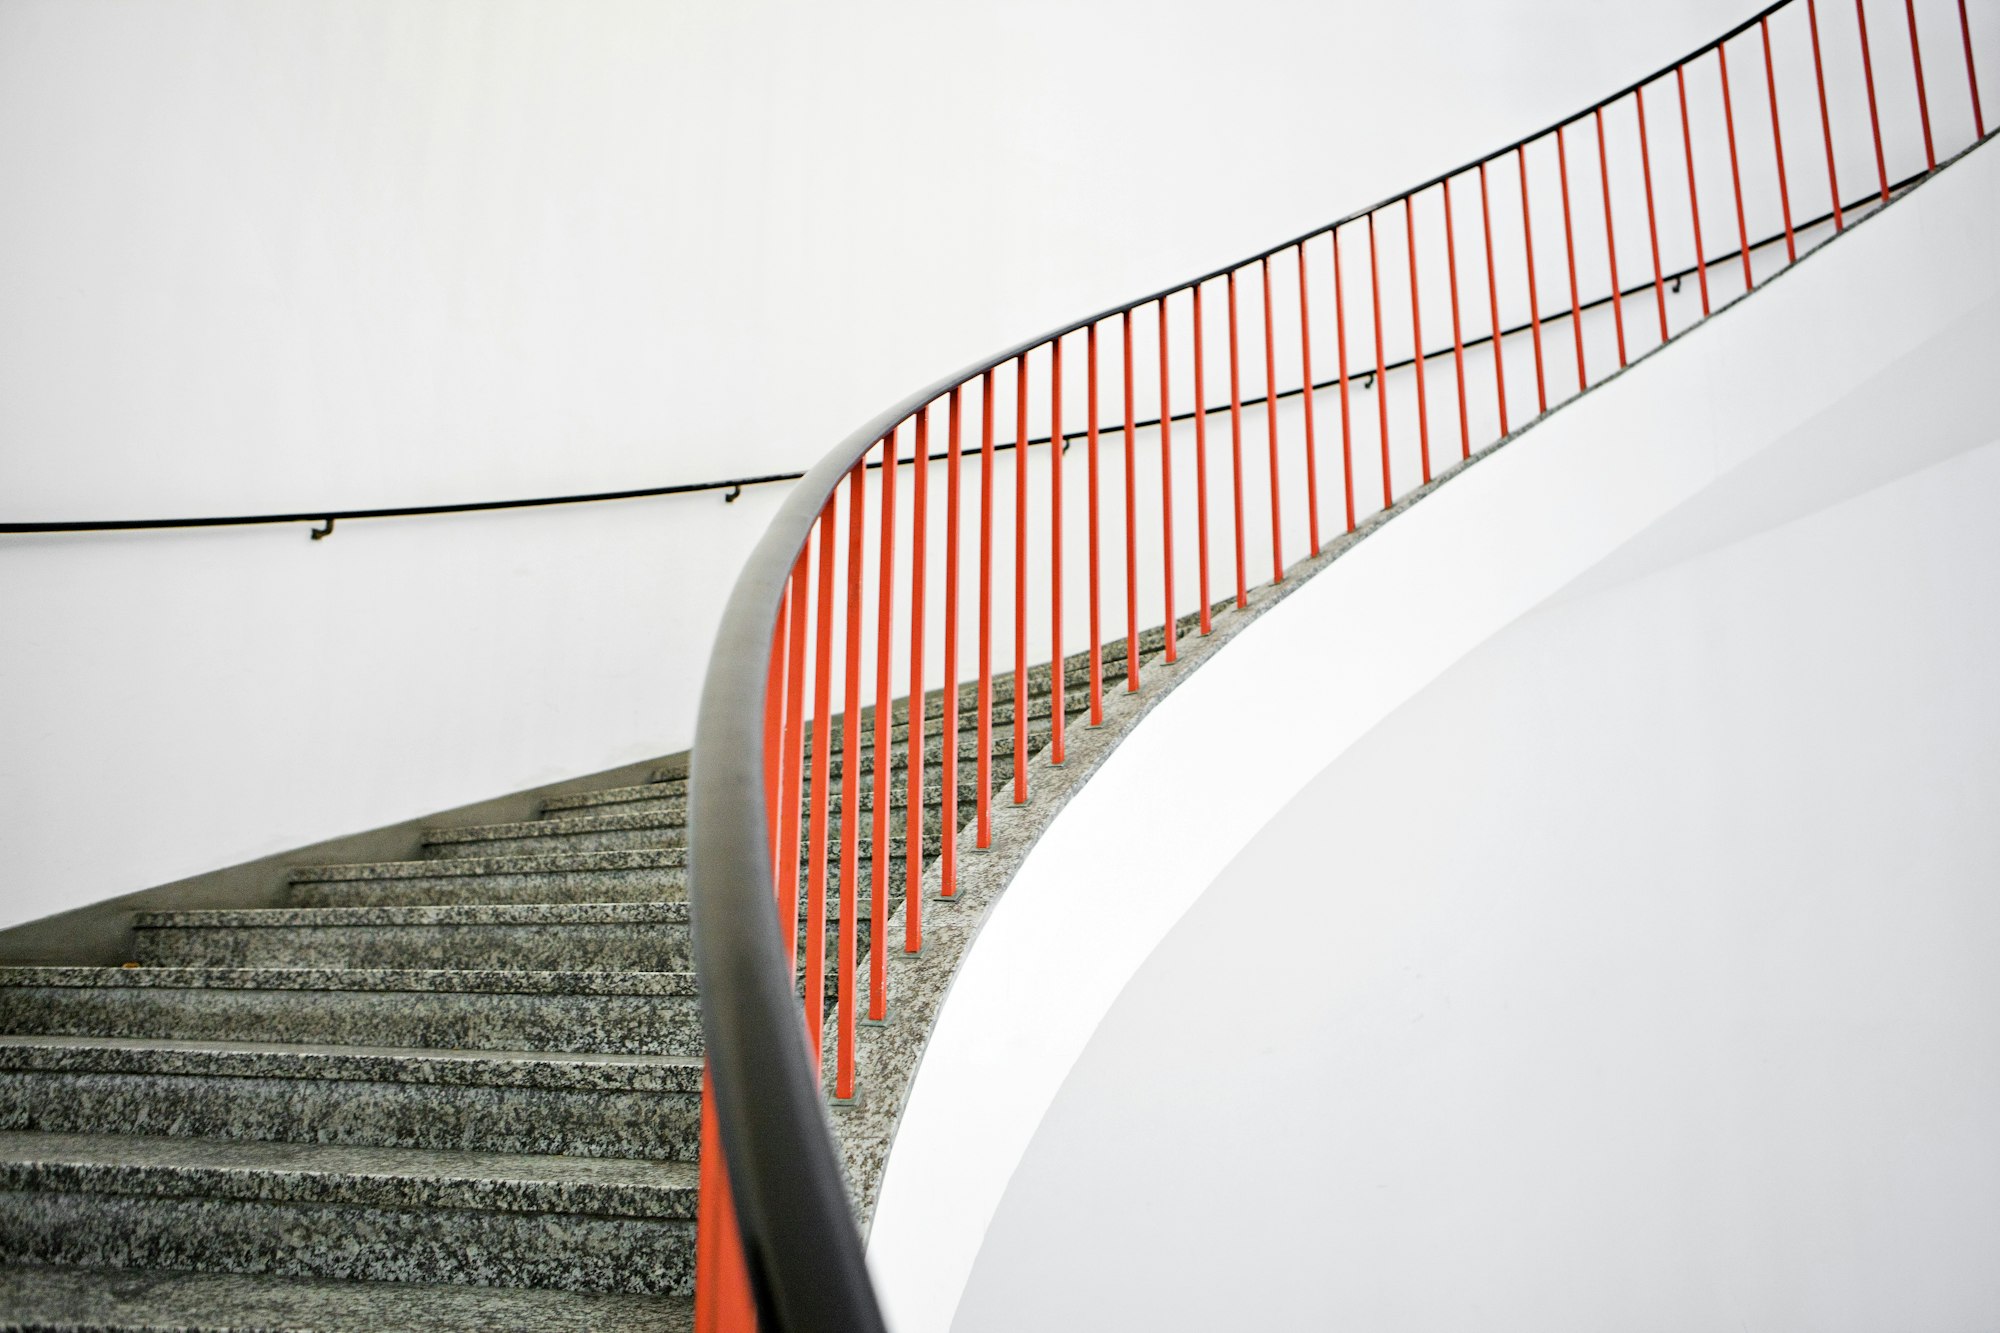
x,y
675,812
1075,703
77,1299
547,827
419,981
540,863
327,1173
451,914
166,1056
560,807
968,754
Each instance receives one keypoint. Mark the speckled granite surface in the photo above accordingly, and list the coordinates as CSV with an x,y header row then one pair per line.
x,y
471,1068
370,1176
427,1244
621,831
390,1100
648,1013
635,937
393,1215
532,864
414,981
96,1300
657,796
478,1068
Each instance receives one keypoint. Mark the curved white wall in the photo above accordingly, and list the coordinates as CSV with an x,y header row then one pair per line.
x,y
347,254
1652,978
1861,366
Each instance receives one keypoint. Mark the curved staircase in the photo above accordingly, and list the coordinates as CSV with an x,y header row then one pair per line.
x,y
478,1089
461,1091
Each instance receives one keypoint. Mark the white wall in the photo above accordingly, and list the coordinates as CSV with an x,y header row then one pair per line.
x,y
277,257
1784,391
1653,979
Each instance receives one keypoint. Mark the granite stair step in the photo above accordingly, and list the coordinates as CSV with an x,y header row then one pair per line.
x,y
670,798
530,937
1040,708
328,1211
642,1013
571,1104
105,1300
535,937
640,876
540,836
620,831
663,797
968,757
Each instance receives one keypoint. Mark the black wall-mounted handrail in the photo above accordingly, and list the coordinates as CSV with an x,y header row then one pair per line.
x,y
732,488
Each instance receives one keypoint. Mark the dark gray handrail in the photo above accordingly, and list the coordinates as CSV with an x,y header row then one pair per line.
x,y
803,1251
731,488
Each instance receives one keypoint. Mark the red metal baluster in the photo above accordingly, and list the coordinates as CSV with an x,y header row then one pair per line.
x,y
1610,239
1923,98
1131,525
1306,378
1096,631
1825,122
1200,464
1971,72
1167,486
948,769
850,793
881,779
794,746
983,833
1778,143
1457,338
1874,117
1235,439
723,1302
1534,300
822,760
1021,579
1057,716
1569,248
913,738
1493,303
1735,173
1271,426
1652,218
1346,417
1381,368
1694,199
1417,338
774,726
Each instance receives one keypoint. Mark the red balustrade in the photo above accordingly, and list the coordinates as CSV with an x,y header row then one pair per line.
x,y
809,618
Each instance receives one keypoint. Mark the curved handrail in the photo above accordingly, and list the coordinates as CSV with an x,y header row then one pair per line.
x,y
731,486
782,1194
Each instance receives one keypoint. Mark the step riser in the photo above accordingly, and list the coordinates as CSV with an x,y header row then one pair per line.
x,y
569,1122
607,1024
661,798
968,758
560,1251
1040,709
674,807
1001,768
657,838
619,946
566,886
609,840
